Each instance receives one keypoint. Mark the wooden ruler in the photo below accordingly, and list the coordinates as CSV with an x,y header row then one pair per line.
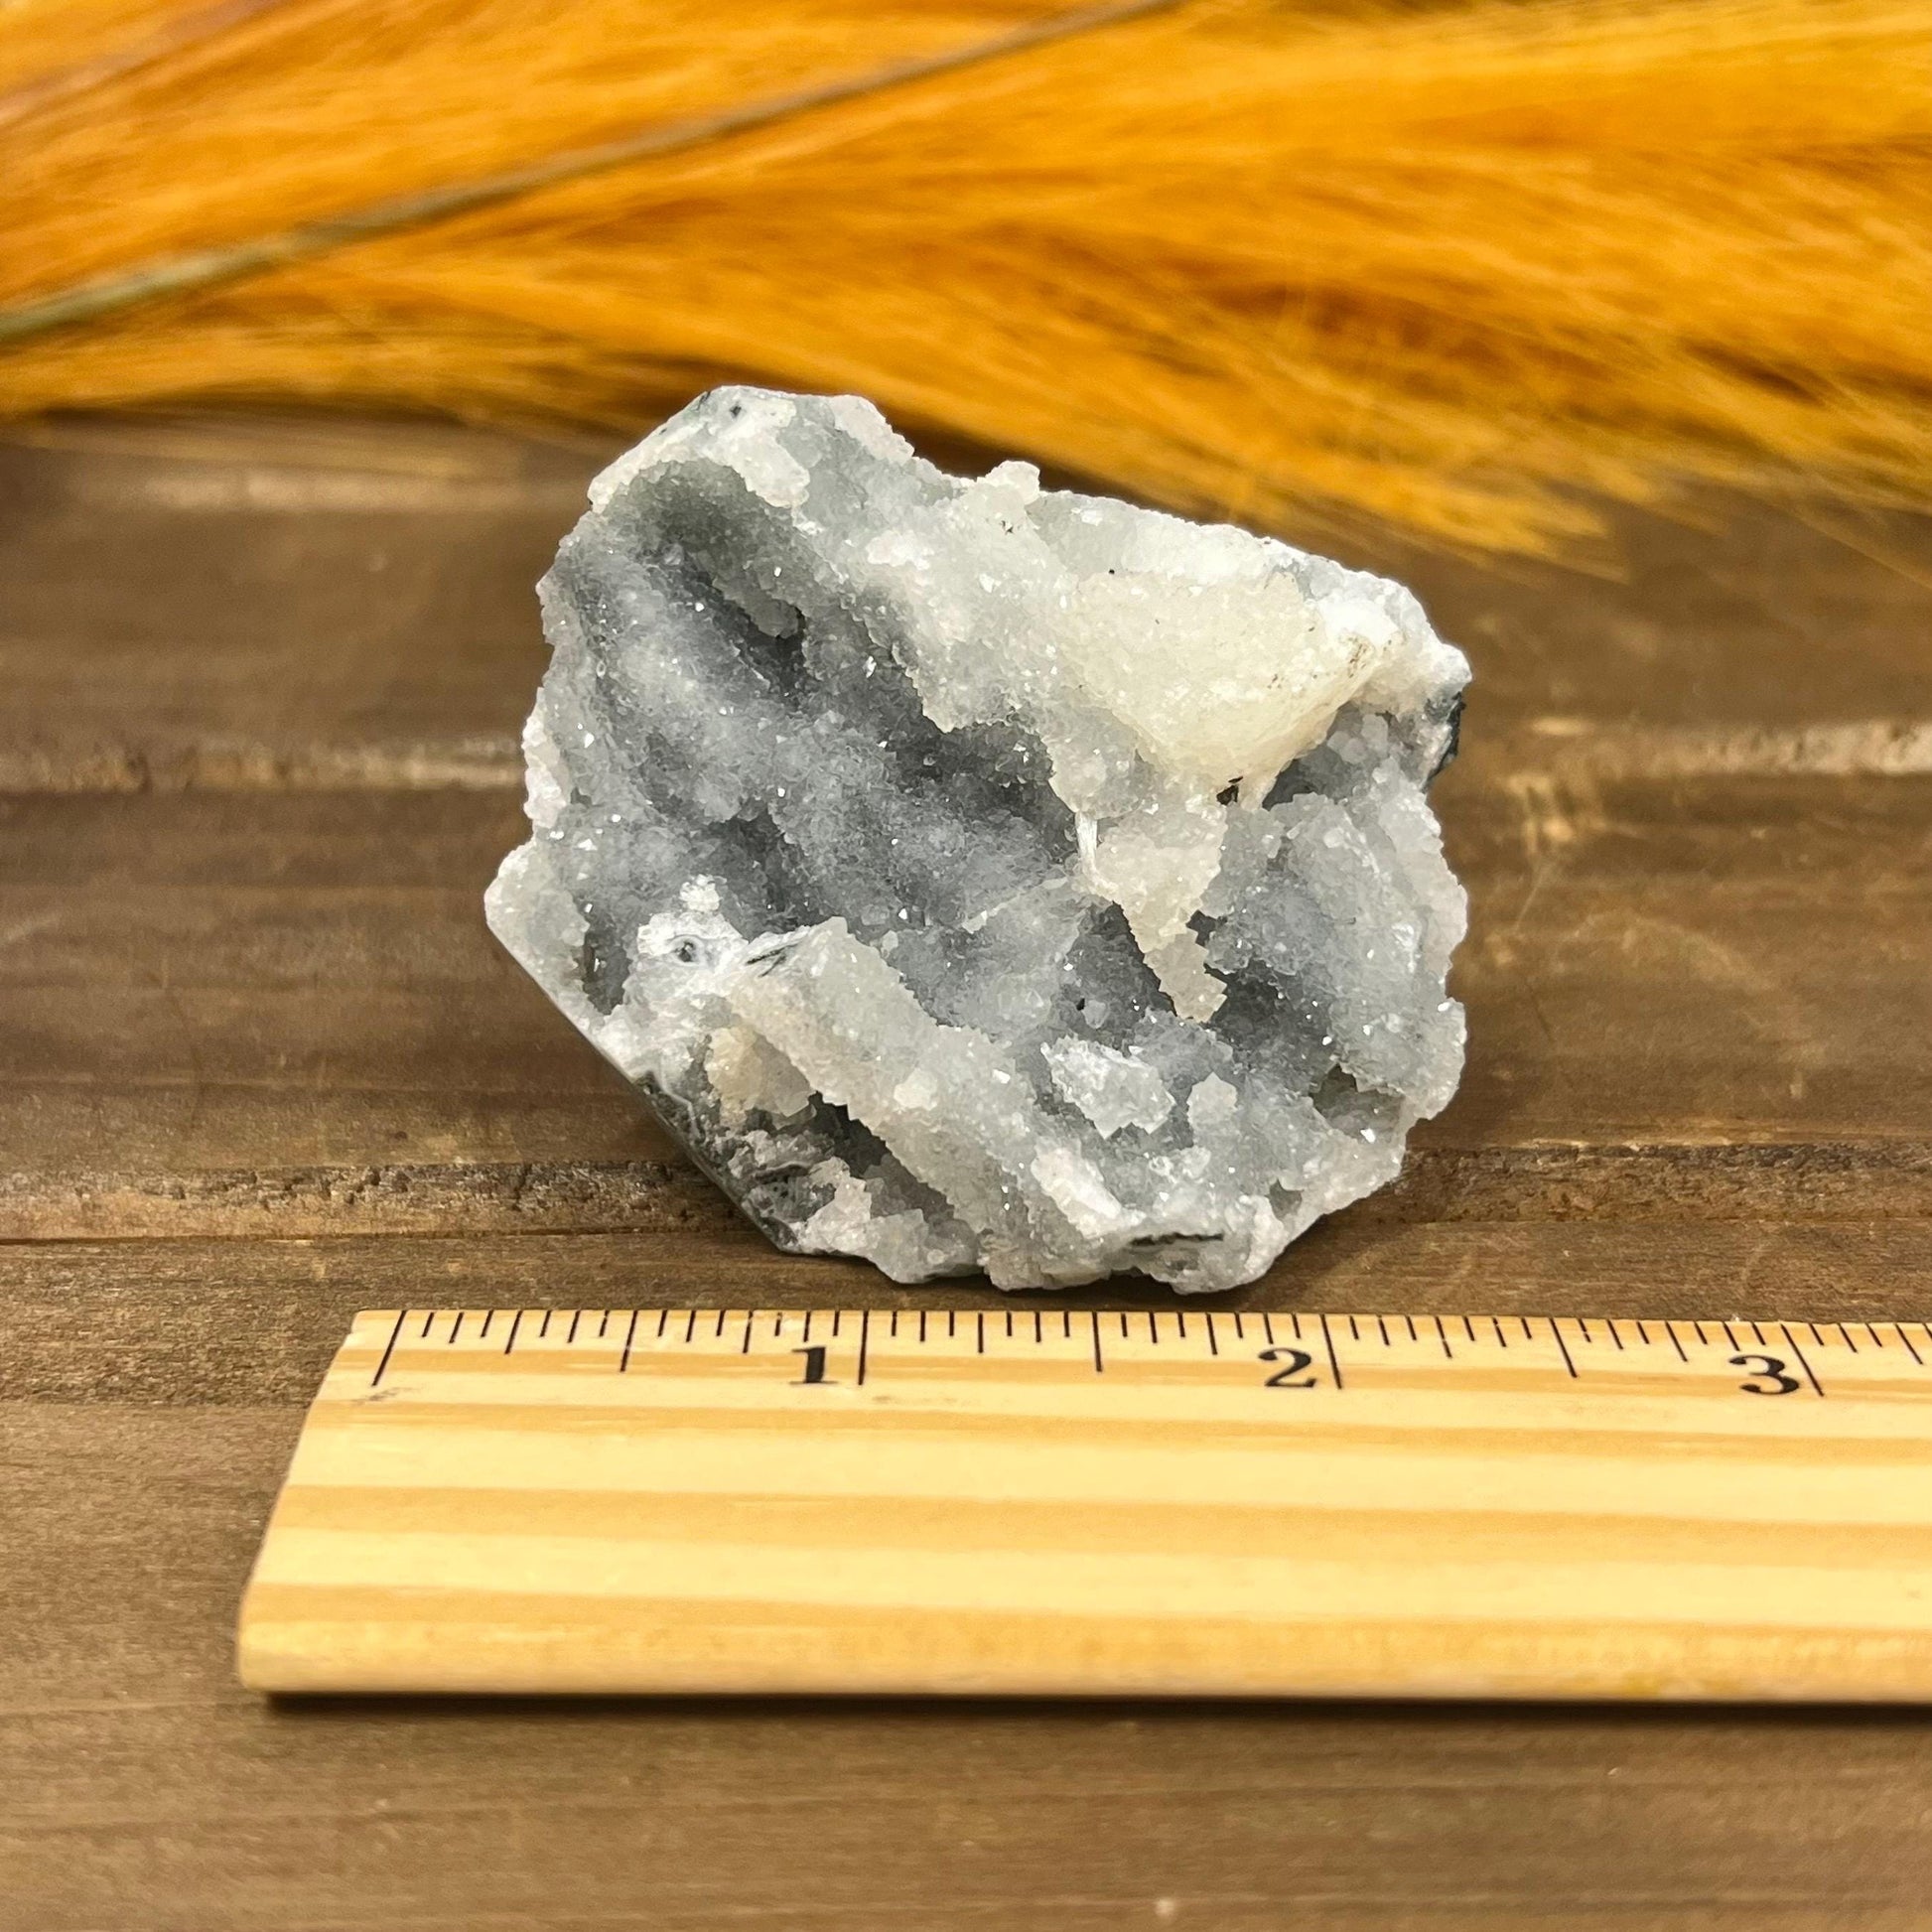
x,y
1036,1499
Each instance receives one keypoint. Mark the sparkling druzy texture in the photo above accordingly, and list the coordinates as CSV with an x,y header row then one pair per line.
x,y
980,876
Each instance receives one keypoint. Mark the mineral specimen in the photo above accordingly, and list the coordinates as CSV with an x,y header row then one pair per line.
x,y
974,876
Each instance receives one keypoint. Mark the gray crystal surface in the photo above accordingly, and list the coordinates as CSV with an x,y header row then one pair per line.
x,y
974,876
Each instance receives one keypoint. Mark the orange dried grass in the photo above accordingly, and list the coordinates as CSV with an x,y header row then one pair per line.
x,y
1448,266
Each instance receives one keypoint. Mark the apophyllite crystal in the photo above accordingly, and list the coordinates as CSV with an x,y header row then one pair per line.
x,y
973,875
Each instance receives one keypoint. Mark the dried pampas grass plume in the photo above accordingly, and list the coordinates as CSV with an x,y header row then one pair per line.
x,y
1452,265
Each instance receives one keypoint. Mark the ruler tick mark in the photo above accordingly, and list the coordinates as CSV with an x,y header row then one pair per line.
x,y
623,1360
690,1325
509,1340
389,1349
1909,1350
1213,1346
745,1346
1556,1329
1334,1367
865,1335
576,1315
544,1326
455,1330
1816,1388
1099,1367
1670,1328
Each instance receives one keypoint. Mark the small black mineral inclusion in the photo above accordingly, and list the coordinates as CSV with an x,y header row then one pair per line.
x,y
978,877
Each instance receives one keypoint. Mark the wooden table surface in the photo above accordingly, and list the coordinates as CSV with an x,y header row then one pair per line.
x,y
261,1065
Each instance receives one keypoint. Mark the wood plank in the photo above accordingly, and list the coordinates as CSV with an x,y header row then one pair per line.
x,y
240,1321
131,1768
1808,1181
375,591
299,653
273,981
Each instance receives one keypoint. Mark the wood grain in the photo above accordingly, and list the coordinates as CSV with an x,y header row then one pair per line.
x,y
259,1066
535,1500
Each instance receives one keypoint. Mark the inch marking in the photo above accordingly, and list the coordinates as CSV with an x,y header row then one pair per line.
x,y
1817,1389
1334,1367
389,1349
1196,1335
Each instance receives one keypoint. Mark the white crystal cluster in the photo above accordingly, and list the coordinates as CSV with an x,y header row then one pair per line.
x,y
978,877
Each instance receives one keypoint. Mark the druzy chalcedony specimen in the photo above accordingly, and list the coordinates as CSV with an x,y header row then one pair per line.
x,y
974,876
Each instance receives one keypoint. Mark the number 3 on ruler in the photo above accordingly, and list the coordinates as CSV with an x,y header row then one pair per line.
x,y
1768,1375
